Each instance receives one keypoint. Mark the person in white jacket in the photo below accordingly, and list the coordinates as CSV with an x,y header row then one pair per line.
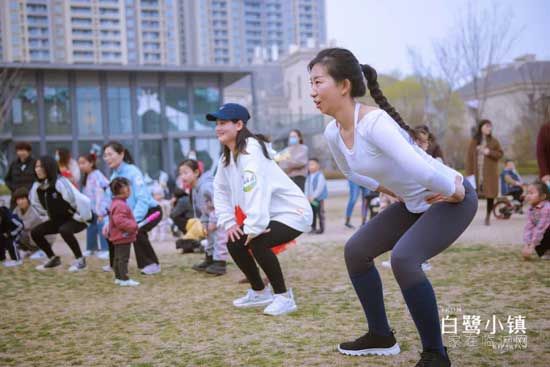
x,y
67,210
259,206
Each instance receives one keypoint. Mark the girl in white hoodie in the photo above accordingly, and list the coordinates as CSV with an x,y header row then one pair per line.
x,y
259,206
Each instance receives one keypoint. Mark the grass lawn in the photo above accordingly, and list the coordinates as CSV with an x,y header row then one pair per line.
x,y
181,318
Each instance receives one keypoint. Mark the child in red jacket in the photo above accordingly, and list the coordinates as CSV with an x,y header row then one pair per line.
x,y
122,230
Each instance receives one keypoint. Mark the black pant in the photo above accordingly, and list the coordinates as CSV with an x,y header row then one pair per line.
x,y
516,192
300,181
145,254
490,206
319,212
544,243
66,230
11,244
261,249
122,255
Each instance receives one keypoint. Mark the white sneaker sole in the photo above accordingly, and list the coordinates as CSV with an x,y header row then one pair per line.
x,y
288,310
253,304
373,351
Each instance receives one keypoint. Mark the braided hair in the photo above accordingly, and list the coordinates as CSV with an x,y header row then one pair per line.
x,y
341,64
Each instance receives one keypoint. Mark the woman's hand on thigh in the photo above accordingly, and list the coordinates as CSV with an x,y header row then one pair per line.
x,y
250,238
234,233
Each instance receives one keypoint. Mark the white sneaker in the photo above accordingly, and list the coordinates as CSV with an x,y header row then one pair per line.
x,y
117,281
546,256
103,255
37,255
151,269
12,263
107,268
78,265
128,283
386,264
87,253
282,304
426,266
254,298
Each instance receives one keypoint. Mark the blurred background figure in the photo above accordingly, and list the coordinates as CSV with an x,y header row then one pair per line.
x,y
293,159
482,159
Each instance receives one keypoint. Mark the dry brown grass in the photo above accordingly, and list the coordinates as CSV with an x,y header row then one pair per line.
x,y
180,318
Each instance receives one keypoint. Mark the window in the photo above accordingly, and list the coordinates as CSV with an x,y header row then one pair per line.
x,y
177,107
150,157
206,98
57,104
25,111
88,103
118,102
148,104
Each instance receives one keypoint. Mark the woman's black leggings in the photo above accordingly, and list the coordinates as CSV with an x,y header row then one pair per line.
x,y
145,254
261,251
67,231
413,239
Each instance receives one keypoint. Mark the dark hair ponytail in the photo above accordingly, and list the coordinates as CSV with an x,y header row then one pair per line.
x,y
120,149
376,93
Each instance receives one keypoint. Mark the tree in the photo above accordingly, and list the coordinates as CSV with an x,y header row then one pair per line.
x,y
484,37
10,84
534,107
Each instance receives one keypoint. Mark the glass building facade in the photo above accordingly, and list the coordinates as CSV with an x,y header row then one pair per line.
x,y
159,115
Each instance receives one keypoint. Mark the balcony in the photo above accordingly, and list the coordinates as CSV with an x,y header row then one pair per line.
x,y
37,20
36,8
81,10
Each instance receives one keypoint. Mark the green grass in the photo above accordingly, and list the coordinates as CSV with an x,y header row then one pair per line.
x,y
181,318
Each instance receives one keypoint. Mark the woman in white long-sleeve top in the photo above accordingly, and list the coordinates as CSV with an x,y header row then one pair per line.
x,y
259,206
374,148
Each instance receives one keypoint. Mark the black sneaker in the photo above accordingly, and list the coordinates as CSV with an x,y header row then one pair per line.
x,y
370,344
217,268
51,263
430,358
203,265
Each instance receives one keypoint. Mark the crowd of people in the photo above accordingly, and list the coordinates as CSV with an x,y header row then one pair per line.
x,y
257,202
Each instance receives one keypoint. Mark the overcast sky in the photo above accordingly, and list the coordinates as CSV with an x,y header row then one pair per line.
x,y
379,32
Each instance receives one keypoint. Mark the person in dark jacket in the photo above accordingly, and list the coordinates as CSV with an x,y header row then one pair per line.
x,y
67,209
543,153
21,170
11,227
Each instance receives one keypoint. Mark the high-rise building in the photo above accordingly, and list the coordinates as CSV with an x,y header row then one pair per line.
x,y
90,31
238,31
157,32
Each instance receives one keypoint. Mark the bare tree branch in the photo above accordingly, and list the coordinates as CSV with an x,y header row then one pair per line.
x,y
485,38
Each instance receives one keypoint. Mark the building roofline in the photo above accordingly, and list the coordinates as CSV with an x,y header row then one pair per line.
x,y
144,68
230,74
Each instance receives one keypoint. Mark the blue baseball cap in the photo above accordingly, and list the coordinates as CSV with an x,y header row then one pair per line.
x,y
229,111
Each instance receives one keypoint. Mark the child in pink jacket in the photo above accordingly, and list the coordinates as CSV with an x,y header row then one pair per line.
x,y
122,230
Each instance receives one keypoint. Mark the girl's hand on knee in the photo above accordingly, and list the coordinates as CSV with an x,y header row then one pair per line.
x,y
234,233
